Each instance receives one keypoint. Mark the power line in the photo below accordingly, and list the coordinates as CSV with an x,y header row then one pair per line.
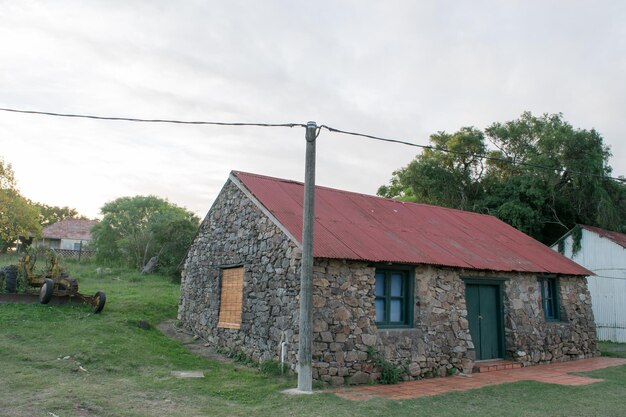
x,y
329,128
475,155
131,119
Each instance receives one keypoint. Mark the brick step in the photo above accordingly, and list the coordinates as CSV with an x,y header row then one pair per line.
x,y
491,366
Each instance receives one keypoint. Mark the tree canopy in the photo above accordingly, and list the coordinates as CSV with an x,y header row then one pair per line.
x,y
542,176
52,214
134,229
21,217
18,217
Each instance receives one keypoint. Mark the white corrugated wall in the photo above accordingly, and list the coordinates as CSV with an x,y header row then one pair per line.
x,y
607,260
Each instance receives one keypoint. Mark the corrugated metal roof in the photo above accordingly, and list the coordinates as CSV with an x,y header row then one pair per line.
x,y
361,227
619,238
79,229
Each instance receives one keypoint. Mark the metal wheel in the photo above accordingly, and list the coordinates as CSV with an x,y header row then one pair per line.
x,y
99,299
45,293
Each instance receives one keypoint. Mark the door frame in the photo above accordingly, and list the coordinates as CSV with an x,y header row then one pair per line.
x,y
498,282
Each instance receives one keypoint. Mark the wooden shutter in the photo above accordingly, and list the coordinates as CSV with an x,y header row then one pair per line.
x,y
231,298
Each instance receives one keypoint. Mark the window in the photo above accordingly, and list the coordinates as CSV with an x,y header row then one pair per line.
x,y
77,245
550,297
231,298
394,298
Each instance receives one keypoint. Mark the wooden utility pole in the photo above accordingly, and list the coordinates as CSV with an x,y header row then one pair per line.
x,y
305,375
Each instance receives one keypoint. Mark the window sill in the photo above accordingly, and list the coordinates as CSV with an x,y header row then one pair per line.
x,y
393,326
554,322
396,331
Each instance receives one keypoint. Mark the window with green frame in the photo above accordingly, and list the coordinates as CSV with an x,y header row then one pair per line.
x,y
550,297
394,298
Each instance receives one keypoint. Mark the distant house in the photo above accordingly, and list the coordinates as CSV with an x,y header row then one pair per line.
x,y
604,253
432,288
67,234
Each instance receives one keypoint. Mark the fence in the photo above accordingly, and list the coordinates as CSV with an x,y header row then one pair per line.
x,y
76,254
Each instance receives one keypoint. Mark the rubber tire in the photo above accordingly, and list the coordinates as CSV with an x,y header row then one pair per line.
x,y
47,288
9,273
100,299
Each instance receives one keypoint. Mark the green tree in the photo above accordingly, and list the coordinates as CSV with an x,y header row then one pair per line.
x,y
532,179
551,155
134,229
52,214
443,175
17,216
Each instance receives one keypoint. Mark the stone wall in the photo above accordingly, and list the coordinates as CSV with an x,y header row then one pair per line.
x,y
530,339
439,342
237,232
344,328
343,321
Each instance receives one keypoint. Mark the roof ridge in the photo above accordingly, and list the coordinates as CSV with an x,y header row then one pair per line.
x,y
618,238
588,226
391,200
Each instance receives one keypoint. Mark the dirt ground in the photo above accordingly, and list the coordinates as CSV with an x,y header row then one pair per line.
x,y
194,344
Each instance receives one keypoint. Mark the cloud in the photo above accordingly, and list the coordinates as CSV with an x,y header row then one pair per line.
x,y
396,69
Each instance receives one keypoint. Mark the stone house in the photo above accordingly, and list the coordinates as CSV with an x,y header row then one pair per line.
x,y
431,288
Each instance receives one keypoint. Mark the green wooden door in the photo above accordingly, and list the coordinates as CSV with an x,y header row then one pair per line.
x,y
485,321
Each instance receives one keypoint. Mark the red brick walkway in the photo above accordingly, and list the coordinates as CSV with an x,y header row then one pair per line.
x,y
555,373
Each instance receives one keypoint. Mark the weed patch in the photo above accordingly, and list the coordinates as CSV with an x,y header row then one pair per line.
x,y
390,373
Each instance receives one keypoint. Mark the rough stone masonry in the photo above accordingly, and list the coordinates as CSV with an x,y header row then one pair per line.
x,y
237,232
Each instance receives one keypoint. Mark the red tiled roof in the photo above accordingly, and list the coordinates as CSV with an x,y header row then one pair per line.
x,y
79,229
362,227
619,238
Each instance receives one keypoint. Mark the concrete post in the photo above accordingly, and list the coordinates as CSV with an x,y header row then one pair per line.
x,y
305,376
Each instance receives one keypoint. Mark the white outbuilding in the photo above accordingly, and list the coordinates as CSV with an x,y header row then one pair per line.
x,y
604,253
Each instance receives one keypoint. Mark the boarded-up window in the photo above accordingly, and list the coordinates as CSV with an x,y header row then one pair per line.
x,y
231,298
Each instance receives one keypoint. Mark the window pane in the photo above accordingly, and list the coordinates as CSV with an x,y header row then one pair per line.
x,y
380,285
380,310
547,285
396,285
549,310
548,294
392,295
396,310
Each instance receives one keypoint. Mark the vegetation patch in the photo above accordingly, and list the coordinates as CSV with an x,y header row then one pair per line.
x,y
577,237
390,373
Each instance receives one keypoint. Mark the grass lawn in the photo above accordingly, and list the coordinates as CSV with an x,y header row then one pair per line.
x,y
127,370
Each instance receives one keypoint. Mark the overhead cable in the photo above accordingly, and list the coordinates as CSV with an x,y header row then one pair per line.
x,y
132,119
319,128
475,155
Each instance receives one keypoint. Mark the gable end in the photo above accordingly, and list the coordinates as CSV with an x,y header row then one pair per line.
x,y
263,209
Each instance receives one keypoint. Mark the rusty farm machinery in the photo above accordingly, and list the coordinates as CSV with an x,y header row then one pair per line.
x,y
19,283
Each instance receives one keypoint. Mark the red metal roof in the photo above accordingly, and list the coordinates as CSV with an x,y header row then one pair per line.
x,y
619,238
361,227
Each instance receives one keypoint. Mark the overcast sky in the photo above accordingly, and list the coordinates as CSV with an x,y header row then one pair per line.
x,y
400,69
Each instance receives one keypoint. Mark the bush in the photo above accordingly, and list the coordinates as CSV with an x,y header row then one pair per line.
x,y
135,229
